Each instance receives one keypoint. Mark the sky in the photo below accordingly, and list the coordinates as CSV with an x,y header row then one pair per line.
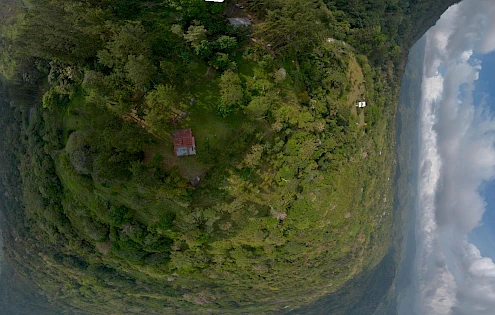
x,y
483,236
454,266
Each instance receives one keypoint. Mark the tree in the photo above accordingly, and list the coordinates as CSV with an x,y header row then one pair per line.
x,y
63,77
53,99
162,103
67,31
258,106
112,166
139,70
82,160
177,30
226,43
294,25
231,88
231,93
129,39
203,49
195,34
221,61
80,153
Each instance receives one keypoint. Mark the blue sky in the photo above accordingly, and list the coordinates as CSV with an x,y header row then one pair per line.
x,y
485,85
484,236
455,230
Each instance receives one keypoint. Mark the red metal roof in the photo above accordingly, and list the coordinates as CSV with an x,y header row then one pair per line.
x,y
184,143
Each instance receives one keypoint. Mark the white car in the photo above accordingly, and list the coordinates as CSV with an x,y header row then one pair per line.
x,y
238,6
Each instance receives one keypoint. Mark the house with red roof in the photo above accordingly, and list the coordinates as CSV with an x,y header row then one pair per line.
x,y
184,143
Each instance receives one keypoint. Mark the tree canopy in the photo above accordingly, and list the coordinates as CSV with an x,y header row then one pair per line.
x,y
288,192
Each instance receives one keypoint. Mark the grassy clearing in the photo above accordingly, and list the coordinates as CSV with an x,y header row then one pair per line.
x,y
357,89
212,133
336,223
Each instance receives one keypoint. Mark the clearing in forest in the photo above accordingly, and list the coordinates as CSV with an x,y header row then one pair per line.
x,y
357,88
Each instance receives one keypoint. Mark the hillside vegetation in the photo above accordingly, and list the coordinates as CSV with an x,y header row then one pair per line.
x,y
295,195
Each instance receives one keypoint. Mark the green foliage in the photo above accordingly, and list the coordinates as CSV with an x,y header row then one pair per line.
x,y
292,186
64,77
69,32
203,49
161,102
231,93
226,43
139,70
195,34
258,106
177,30
129,39
80,153
120,215
293,26
53,99
221,61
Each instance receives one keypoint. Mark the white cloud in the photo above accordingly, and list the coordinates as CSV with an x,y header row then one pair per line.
x,y
487,44
458,153
477,292
439,292
433,87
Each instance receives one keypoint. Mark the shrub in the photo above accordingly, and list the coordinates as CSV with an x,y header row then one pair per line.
x,y
231,93
53,99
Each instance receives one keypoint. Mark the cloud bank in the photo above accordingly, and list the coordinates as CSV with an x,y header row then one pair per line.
x,y
458,156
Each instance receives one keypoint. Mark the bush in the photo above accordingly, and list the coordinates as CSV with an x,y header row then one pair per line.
x,y
82,161
221,61
231,93
80,153
226,43
53,99
203,49
258,107
120,215
224,110
128,250
95,231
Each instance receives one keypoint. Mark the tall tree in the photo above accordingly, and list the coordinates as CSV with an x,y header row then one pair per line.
x,y
231,93
294,25
139,70
162,104
67,31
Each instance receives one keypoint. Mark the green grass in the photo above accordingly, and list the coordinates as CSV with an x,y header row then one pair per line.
x,y
214,137
335,227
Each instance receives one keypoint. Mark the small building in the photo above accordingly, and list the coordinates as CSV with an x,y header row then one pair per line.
x,y
184,143
361,104
239,21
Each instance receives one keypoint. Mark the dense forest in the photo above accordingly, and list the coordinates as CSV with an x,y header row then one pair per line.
x,y
290,193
